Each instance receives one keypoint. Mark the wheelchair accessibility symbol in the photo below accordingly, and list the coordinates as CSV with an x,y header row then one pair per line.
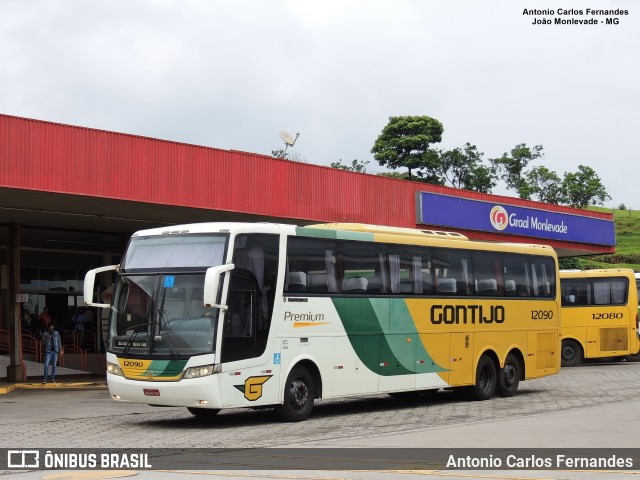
x,y
276,359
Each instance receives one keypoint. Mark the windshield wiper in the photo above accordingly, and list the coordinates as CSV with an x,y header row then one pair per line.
x,y
164,323
130,339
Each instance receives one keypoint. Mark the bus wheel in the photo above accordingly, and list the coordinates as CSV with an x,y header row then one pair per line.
x,y
509,376
571,353
632,358
486,380
298,396
203,412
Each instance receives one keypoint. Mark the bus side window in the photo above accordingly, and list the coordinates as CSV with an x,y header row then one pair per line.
x,y
517,279
488,273
452,264
311,265
409,270
358,262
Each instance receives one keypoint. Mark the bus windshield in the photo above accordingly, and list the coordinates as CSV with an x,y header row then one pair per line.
x,y
161,315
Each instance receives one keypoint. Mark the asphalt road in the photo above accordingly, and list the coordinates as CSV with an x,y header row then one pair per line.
x,y
589,406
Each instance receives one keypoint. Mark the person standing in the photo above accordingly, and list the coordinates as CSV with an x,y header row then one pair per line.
x,y
52,345
79,319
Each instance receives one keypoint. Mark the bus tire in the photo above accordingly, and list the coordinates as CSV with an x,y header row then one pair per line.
x,y
633,358
509,376
203,412
486,380
571,353
299,393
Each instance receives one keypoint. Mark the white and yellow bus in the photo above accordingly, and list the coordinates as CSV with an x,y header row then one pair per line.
x,y
222,315
599,314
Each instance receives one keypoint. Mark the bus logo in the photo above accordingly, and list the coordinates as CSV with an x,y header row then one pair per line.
x,y
499,217
252,387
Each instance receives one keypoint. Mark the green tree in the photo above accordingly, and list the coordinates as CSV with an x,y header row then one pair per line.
x,y
283,154
510,167
356,166
584,188
546,185
404,142
288,155
463,168
395,174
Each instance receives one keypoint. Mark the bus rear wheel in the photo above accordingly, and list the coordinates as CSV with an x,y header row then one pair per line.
x,y
509,376
571,353
299,393
203,412
486,380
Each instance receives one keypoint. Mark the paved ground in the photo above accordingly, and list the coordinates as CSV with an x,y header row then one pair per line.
x,y
587,406
89,418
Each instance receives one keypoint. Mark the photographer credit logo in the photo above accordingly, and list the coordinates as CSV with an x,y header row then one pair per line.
x,y
23,459
74,459
499,217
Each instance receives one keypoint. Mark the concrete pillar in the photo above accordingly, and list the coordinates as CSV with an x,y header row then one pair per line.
x,y
16,371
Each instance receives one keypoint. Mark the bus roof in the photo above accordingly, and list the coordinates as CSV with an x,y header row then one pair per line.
x,y
215,227
363,227
353,231
597,272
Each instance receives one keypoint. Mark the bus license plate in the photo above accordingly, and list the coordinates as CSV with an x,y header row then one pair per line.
x,y
151,392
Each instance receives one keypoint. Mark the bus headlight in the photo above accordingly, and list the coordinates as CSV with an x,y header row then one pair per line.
x,y
196,372
114,369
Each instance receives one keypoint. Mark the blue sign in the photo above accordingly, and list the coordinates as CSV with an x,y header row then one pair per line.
x,y
448,211
169,281
276,359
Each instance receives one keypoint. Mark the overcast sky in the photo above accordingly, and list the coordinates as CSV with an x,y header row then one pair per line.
x,y
232,74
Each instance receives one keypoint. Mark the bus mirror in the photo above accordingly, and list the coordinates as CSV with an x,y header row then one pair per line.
x,y
212,283
89,282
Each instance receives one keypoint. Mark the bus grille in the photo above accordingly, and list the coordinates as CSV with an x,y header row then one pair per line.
x,y
614,339
547,350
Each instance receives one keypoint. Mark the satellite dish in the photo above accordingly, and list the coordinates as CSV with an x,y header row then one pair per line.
x,y
288,139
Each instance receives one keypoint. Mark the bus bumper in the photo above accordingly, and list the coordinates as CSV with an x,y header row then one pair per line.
x,y
201,392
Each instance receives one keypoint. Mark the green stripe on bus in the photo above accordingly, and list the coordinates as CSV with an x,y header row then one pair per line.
x,y
167,368
383,336
334,234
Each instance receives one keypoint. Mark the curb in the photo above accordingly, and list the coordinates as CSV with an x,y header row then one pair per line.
x,y
4,389
10,387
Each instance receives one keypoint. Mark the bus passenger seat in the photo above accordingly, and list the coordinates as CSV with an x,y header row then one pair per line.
x,y
317,283
406,287
354,285
488,286
510,288
297,282
374,284
427,283
446,285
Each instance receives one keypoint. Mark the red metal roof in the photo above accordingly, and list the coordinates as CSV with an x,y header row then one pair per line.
x,y
52,157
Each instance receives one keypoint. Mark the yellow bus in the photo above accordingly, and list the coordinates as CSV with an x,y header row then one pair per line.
x,y
226,315
637,275
599,314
